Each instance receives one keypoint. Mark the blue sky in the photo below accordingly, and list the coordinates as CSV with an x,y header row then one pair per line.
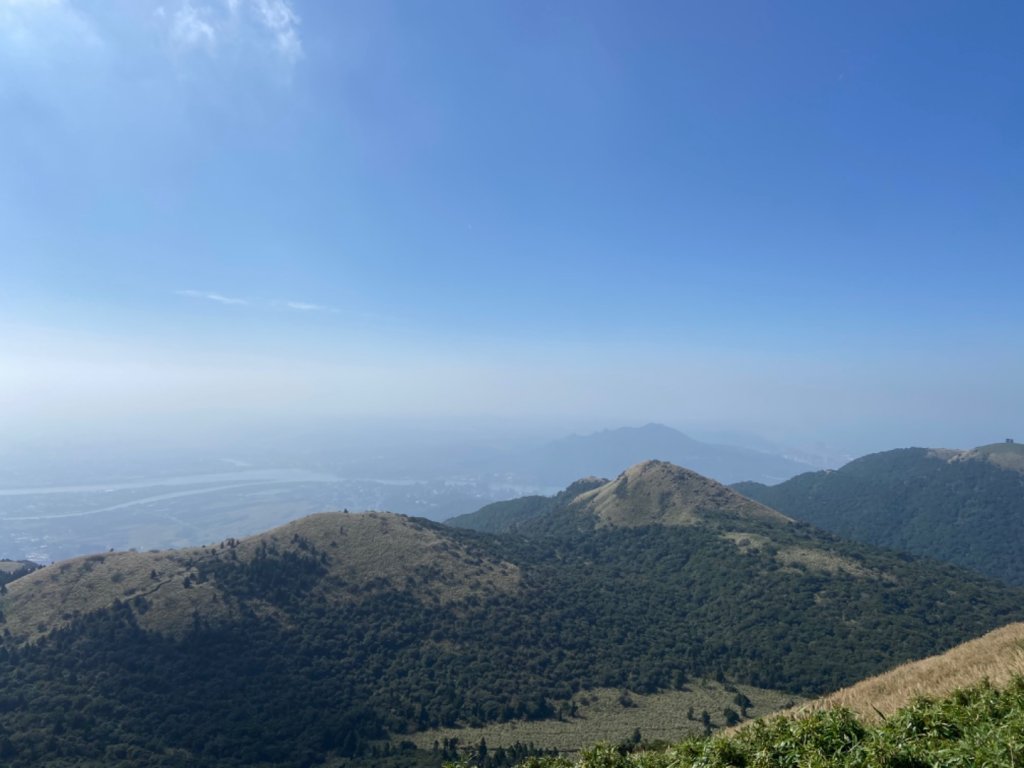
x,y
799,219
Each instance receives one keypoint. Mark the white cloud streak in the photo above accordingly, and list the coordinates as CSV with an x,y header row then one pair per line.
x,y
219,298
303,306
298,306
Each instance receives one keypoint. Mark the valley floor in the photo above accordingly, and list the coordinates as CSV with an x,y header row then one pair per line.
x,y
612,715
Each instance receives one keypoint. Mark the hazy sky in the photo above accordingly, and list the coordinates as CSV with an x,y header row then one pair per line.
x,y
801,219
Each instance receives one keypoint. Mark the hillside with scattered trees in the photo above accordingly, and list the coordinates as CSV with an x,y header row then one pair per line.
x,y
333,636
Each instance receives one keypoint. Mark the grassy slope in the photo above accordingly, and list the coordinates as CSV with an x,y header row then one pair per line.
x,y
997,656
372,548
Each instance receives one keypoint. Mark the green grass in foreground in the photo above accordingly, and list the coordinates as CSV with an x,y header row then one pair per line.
x,y
979,726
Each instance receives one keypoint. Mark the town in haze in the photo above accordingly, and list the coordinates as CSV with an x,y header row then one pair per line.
x,y
564,384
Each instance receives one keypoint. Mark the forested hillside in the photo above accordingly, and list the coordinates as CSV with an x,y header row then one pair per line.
x,y
963,507
505,516
325,636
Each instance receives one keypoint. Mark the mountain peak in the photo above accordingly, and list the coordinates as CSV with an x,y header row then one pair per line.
x,y
659,493
656,466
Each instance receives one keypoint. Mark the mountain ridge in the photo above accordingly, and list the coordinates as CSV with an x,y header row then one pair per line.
x,y
959,506
605,453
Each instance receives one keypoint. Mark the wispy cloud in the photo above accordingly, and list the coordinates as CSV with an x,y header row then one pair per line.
x,y
190,28
210,23
280,19
297,306
303,306
43,30
219,298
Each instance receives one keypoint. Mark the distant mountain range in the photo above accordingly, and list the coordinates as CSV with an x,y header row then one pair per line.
x,y
560,462
548,465
337,633
963,507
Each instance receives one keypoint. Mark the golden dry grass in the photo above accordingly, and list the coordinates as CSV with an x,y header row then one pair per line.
x,y
997,656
